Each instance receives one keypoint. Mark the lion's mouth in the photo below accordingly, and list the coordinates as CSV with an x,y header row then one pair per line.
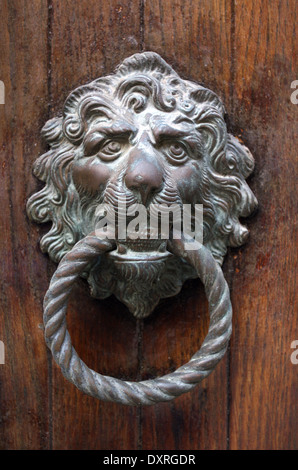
x,y
139,250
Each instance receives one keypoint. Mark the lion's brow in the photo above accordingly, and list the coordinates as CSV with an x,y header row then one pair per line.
x,y
172,130
115,128
166,131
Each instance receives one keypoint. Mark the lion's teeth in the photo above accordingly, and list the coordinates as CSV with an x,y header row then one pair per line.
x,y
161,248
121,249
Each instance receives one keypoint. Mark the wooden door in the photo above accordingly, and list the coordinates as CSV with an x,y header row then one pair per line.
x,y
243,50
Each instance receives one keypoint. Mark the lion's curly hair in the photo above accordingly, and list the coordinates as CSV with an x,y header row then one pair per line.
x,y
223,190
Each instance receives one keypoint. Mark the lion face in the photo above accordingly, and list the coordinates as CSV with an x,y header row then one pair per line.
x,y
146,137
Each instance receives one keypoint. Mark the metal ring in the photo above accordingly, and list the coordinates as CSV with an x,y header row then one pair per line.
x,y
145,392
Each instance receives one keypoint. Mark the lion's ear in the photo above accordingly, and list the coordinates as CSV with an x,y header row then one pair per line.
x,y
52,132
239,157
244,164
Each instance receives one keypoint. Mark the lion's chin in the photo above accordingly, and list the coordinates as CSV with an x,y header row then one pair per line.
x,y
139,279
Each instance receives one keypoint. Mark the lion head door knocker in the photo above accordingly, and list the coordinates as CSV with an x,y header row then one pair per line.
x,y
133,144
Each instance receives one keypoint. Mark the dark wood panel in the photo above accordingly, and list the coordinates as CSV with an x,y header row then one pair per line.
x,y
88,40
264,384
24,413
195,38
245,51
198,419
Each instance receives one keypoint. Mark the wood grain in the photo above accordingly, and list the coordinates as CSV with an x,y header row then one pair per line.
x,y
195,38
24,417
245,51
264,386
88,40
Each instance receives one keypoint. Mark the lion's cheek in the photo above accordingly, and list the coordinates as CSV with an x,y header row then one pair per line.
x,y
90,175
187,178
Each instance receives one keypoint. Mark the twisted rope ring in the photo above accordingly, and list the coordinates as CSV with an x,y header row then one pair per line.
x,y
146,392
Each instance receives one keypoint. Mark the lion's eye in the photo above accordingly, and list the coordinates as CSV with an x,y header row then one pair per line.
x,y
176,150
111,149
176,153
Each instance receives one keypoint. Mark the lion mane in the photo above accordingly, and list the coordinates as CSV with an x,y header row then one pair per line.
x,y
141,78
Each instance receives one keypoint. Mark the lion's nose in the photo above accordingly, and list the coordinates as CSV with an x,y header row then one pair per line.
x,y
145,178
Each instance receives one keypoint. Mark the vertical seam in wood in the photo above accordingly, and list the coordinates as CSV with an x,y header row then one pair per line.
x,y
49,87
140,323
142,23
49,48
13,229
232,84
233,57
140,428
50,398
140,334
228,396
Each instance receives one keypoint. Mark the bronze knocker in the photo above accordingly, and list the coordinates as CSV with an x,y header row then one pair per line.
x,y
140,141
